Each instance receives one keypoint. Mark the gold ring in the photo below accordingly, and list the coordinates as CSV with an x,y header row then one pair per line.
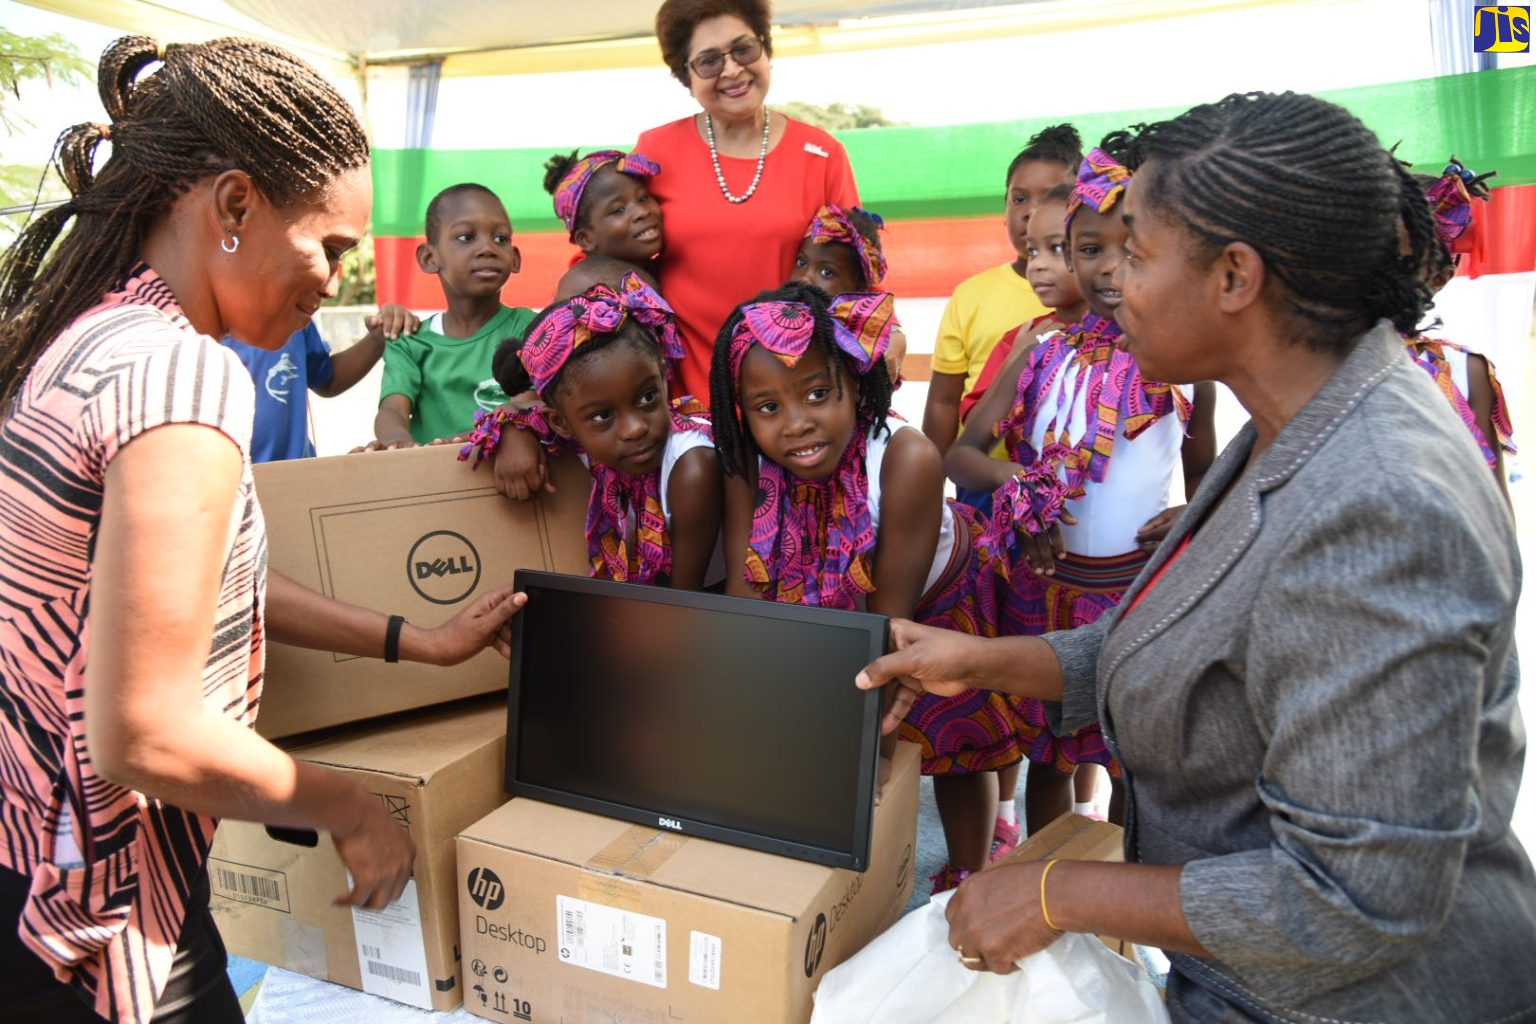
x,y
970,960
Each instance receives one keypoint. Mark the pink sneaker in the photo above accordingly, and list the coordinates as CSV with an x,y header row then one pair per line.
x,y
1005,836
947,878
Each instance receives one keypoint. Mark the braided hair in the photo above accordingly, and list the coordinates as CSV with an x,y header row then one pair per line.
x,y
1310,187
208,108
1055,144
733,438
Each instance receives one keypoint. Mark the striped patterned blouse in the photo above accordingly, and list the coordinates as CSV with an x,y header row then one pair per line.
x,y
110,868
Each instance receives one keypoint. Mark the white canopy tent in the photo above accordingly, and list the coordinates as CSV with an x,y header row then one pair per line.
x,y
502,37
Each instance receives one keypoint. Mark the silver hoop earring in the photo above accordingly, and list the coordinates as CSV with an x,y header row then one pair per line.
x,y
231,245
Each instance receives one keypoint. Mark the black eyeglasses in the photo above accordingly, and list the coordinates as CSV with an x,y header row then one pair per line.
x,y
711,63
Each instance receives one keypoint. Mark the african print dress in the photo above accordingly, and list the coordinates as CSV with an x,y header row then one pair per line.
x,y
628,527
812,542
1081,401
1446,364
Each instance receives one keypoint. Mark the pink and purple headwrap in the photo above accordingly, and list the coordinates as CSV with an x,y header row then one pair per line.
x,y
861,327
1450,200
598,310
1100,182
832,224
568,193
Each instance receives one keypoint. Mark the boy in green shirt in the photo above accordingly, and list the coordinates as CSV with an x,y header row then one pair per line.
x,y
436,378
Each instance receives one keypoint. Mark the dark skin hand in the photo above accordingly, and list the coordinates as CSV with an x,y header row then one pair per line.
x,y
1155,529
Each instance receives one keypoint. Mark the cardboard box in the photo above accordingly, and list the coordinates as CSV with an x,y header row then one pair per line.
x,y
576,918
436,771
413,533
1076,837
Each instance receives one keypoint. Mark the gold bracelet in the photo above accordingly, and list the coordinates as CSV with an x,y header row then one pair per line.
x,y
1043,911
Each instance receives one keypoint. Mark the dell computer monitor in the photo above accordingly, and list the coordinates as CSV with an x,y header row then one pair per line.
x,y
728,718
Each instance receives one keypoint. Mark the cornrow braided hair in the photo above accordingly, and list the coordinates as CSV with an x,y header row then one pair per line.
x,y
1056,144
1310,187
733,438
208,108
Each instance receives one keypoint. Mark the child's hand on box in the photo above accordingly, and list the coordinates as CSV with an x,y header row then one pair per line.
x,y
522,466
380,446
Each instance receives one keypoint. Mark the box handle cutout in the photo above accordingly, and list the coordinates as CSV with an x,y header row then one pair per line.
x,y
295,836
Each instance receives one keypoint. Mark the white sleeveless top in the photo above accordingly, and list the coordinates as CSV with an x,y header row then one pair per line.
x,y
1456,359
1137,480
874,460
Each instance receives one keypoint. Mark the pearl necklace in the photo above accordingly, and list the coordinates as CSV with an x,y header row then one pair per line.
x,y
714,156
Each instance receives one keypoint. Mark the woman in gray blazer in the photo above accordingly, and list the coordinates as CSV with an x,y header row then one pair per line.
x,y
1312,686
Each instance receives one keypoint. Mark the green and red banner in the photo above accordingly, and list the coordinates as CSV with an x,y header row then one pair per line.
x,y
940,190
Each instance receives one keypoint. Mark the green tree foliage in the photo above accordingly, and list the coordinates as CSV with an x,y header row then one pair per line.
x,y
359,285
834,117
46,59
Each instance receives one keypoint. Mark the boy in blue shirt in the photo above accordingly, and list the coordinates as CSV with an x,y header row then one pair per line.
x,y
284,377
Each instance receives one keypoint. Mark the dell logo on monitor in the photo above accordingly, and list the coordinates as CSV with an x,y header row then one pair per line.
x,y
671,823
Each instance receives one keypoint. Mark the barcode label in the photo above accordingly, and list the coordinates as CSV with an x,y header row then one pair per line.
x,y
391,952
612,941
398,975
704,959
573,927
263,889
244,884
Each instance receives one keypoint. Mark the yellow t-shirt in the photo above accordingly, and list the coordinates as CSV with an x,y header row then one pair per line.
x,y
982,309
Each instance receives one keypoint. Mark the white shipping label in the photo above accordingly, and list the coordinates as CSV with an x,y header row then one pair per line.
x,y
704,960
391,953
617,942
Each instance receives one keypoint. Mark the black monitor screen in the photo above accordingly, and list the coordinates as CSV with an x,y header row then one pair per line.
x,y
728,718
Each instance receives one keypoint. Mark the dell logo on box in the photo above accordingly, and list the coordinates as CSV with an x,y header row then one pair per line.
x,y
443,567
671,823
485,888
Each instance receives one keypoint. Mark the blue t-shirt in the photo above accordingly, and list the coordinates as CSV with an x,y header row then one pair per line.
x,y
283,378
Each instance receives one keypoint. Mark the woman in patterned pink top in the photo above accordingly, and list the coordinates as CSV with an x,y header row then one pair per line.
x,y
134,597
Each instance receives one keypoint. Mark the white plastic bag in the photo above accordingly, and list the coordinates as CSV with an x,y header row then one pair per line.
x,y
910,975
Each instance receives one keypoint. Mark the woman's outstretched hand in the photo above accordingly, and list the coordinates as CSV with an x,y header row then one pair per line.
x,y
924,659
485,622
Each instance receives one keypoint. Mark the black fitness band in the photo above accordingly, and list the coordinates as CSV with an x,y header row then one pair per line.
x,y
392,638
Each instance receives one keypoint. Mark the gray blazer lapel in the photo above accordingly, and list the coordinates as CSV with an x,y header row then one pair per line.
x,y
1199,567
